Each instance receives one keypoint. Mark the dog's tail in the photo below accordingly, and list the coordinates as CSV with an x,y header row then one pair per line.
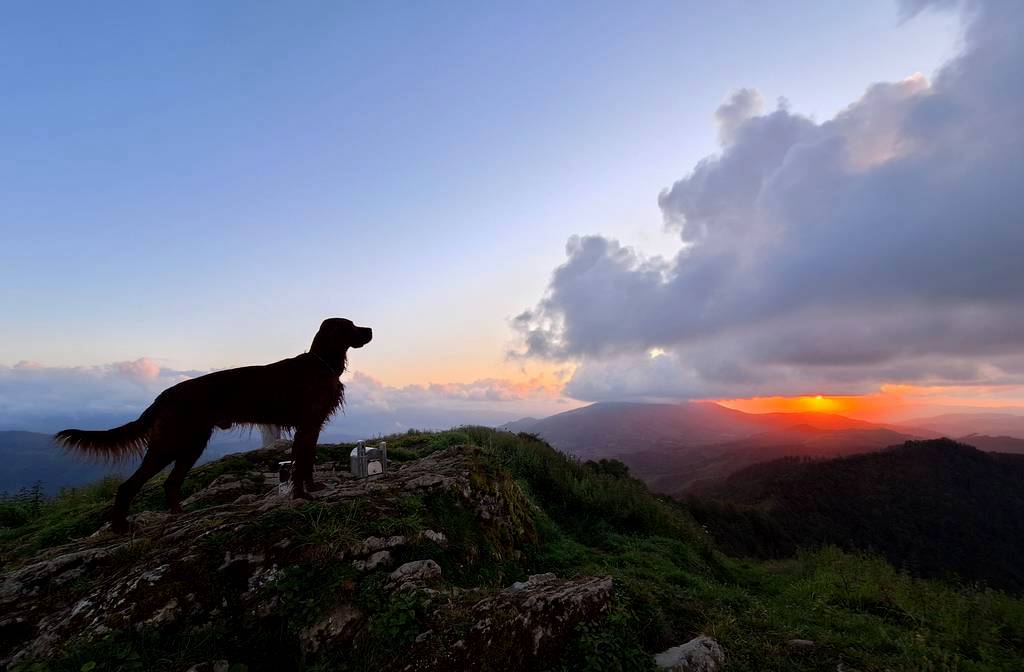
x,y
115,444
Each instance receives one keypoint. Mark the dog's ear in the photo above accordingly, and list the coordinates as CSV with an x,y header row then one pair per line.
x,y
334,326
337,330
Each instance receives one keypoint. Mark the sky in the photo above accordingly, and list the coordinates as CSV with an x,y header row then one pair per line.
x,y
535,206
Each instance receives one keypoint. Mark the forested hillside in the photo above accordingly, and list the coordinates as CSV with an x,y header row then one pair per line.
x,y
934,508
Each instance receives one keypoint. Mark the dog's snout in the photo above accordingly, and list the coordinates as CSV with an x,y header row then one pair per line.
x,y
364,336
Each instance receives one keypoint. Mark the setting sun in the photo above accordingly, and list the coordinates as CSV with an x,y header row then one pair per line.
x,y
805,404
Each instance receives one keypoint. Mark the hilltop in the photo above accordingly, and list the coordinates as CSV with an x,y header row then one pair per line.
x,y
481,550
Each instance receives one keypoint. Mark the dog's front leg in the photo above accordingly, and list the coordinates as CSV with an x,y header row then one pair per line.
x,y
303,453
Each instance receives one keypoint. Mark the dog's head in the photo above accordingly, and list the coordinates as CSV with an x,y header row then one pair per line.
x,y
342,333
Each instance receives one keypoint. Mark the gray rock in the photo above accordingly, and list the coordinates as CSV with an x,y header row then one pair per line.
x,y
800,643
416,572
700,654
525,628
372,545
211,666
533,581
378,559
335,630
165,615
427,481
436,537
223,484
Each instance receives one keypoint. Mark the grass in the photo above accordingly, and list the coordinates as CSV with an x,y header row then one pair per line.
x,y
74,513
856,607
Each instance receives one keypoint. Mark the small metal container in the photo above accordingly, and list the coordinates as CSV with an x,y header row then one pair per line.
x,y
366,462
284,475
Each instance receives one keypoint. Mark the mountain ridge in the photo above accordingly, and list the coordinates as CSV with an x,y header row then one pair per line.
x,y
676,447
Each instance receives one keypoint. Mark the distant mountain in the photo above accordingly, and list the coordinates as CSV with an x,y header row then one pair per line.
x,y
676,447
994,444
929,506
721,460
963,424
33,457
521,425
616,429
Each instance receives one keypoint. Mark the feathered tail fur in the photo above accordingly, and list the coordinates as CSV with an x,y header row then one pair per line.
x,y
128,440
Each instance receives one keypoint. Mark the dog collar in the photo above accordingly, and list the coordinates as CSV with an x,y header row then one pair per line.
x,y
326,363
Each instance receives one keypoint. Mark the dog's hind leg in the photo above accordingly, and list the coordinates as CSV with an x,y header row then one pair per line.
x,y
190,452
152,464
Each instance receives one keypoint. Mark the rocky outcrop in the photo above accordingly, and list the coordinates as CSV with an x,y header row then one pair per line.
x,y
523,627
235,563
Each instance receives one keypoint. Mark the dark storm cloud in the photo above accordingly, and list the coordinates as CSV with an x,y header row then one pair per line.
x,y
884,244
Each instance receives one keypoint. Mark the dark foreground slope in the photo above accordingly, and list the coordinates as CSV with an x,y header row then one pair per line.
x,y
932,507
483,550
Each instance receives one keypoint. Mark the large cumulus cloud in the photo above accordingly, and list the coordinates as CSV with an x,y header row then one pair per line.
x,y
883,245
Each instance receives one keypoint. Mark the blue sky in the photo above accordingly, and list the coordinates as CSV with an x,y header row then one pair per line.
x,y
202,183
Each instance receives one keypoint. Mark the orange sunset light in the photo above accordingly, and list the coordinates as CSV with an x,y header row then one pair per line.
x,y
806,404
889,403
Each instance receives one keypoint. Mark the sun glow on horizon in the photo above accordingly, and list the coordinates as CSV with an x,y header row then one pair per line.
x,y
890,403
804,404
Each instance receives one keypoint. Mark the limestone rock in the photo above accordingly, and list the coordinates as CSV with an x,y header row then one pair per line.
x,y
372,545
378,559
700,654
415,573
533,581
223,485
335,630
437,537
212,666
526,625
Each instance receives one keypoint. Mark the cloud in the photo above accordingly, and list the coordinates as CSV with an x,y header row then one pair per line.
x,y
29,390
364,392
881,245
742,106
41,398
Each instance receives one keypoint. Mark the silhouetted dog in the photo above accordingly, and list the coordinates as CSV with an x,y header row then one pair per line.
x,y
300,393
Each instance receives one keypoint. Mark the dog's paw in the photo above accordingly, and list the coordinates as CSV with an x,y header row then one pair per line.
x,y
118,521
